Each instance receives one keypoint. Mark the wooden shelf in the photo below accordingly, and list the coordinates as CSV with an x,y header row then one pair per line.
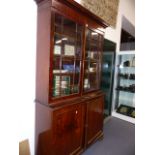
x,y
128,91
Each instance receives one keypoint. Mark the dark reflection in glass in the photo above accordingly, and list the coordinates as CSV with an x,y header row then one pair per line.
x,y
56,63
68,65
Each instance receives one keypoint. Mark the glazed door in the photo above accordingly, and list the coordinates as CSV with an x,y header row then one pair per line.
x,y
94,120
107,79
68,126
92,61
65,68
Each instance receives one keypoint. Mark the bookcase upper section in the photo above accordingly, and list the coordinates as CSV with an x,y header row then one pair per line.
x,y
69,46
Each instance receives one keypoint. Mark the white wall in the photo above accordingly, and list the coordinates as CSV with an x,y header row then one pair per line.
x,y
27,69
17,74
127,9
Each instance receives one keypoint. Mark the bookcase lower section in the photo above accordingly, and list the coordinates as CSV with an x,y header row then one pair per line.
x,y
68,129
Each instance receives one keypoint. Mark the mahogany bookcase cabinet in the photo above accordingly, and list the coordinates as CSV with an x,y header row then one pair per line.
x,y
69,102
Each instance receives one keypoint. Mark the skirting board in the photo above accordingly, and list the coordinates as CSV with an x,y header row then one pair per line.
x,y
123,117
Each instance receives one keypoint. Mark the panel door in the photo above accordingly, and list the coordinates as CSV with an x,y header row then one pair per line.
x,y
94,120
68,126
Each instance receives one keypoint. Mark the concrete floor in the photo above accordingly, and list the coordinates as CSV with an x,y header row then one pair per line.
x,y
119,139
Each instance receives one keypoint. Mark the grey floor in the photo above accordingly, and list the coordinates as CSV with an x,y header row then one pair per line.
x,y
119,139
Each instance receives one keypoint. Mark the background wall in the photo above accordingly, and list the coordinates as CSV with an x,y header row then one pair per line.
x,y
105,9
27,70
17,74
126,9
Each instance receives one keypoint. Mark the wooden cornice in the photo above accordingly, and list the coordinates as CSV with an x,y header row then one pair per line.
x,y
80,8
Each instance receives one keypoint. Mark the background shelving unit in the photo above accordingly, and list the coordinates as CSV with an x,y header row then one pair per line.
x,y
124,86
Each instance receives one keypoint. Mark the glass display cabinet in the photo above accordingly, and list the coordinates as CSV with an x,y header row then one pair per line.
x,y
124,91
107,80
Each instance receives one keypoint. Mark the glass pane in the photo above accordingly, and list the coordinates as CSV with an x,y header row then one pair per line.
x,y
88,34
91,79
107,76
92,61
62,85
68,37
56,65
56,85
79,45
68,65
92,55
94,50
77,76
69,27
67,57
86,76
69,47
65,85
57,44
77,66
67,76
92,45
88,43
94,36
126,75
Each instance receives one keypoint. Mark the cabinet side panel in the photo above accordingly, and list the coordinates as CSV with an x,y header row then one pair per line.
x,y
43,53
43,129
